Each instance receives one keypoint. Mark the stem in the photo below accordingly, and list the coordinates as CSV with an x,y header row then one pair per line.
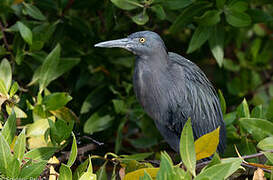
x,y
4,36
255,155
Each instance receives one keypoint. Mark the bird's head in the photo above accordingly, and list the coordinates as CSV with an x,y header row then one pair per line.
x,y
142,43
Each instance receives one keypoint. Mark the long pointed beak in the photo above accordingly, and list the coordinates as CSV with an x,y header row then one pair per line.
x,y
125,43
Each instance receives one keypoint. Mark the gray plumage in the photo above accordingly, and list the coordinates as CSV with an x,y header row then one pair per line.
x,y
171,89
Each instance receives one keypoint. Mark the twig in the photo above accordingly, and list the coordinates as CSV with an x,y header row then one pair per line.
x,y
4,36
94,141
255,155
250,166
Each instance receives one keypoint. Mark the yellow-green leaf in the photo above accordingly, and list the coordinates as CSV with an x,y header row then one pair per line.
x,y
140,173
266,144
187,151
206,145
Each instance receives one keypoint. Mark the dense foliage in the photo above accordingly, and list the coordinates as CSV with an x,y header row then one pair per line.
x,y
53,81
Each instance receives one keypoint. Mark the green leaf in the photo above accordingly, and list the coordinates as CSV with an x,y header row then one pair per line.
x,y
243,109
119,106
80,169
238,5
34,12
177,4
238,19
126,4
222,101
5,154
220,171
13,170
96,123
258,128
101,173
159,11
146,176
119,135
137,157
25,32
269,112
6,73
220,4
269,156
65,114
257,112
33,171
141,18
20,146
166,167
14,88
187,151
266,144
187,14
3,90
65,173
231,65
209,18
88,176
200,36
73,152
9,128
48,67
42,153
216,43
18,112
56,100
60,130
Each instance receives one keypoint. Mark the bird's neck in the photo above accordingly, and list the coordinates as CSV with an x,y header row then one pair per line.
x,y
155,61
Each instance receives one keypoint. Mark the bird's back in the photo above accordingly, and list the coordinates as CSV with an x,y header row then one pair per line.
x,y
172,94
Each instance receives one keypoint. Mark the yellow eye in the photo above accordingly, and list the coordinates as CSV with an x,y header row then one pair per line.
x,y
142,40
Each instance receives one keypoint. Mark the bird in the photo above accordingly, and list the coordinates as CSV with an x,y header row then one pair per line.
x,y
171,89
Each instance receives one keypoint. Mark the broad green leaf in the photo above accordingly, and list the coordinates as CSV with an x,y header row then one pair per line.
x,y
220,4
215,160
20,146
14,88
177,4
49,66
258,128
25,32
257,112
96,123
187,151
199,37
101,173
235,164
60,130
126,4
119,106
269,112
230,65
65,173
18,112
266,144
138,156
238,5
229,118
187,14
80,170
166,170
238,19
159,11
243,109
140,173
5,73
220,171
56,100
13,170
3,90
206,145
33,171
90,167
209,18
5,154
34,12
42,153
269,156
216,43
73,152
222,101
141,18
65,114
88,176
9,128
